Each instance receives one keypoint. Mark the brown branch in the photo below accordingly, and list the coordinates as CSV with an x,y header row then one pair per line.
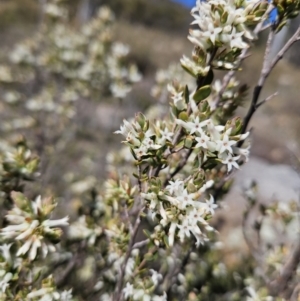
x,y
180,269
141,244
266,99
67,271
144,261
179,167
118,292
295,293
266,70
279,285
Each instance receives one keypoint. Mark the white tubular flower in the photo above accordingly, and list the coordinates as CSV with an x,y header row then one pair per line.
x,y
128,290
178,100
4,280
119,90
31,225
202,141
120,49
134,74
244,152
192,66
211,205
66,295
47,293
81,230
31,244
55,11
126,129
56,223
166,135
184,199
212,33
6,253
175,187
156,277
194,126
225,144
230,161
141,295
235,40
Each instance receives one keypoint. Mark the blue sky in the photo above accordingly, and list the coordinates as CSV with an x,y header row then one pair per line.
x,y
188,3
191,3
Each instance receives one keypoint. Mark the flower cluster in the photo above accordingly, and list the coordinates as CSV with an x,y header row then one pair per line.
x,y
48,292
224,24
173,74
17,164
210,139
30,225
141,138
140,292
181,207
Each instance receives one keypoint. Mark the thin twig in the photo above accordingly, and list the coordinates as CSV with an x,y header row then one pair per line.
x,y
118,292
141,244
75,260
139,178
128,219
67,271
144,261
179,166
285,48
266,70
180,268
266,99
278,285
296,293
255,251
248,240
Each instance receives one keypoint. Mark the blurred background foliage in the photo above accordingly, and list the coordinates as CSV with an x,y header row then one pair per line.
x,y
150,13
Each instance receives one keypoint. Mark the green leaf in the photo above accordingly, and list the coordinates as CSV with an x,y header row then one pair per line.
x,y
294,14
202,93
209,77
189,71
147,233
210,164
133,153
19,199
280,9
141,119
281,25
166,241
145,170
186,94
